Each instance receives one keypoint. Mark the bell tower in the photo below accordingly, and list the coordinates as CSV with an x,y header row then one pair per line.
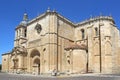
x,y
21,32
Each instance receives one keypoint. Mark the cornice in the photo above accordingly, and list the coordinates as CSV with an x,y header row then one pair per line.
x,y
51,13
41,16
99,18
91,20
6,53
20,26
37,18
66,20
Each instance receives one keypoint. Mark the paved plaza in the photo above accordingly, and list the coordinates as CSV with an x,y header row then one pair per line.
x,y
5,76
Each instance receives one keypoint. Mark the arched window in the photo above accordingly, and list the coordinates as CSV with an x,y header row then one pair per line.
x,y
68,59
17,33
83,33
96,31
25,33
20,31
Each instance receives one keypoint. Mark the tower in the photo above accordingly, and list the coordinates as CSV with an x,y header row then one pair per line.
x,y
21,32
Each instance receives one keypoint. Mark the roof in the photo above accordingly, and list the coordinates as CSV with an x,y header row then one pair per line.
x,y
25,21
108,18
6,53
19,49
98,18
50,12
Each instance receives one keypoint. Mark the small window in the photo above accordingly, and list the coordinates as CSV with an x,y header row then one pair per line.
x,y
25,33
83,33
17,33
4,59
44,49
96,31
68,61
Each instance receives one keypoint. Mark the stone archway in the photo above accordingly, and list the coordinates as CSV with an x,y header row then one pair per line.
x,y
36,65
35,61
15,64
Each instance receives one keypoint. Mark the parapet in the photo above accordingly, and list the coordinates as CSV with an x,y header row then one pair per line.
x,y
95,19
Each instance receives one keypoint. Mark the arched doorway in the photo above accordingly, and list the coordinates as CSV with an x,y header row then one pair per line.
x,y
36,65
15,64
35,61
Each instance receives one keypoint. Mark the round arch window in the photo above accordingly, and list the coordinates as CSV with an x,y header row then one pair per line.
x,y
38,28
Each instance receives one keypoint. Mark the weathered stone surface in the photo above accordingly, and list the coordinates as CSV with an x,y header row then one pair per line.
x,y
46,37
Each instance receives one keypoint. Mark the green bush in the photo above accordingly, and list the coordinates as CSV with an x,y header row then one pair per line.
x,y
0,67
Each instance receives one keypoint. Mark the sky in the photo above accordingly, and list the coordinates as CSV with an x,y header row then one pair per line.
x,y
11,14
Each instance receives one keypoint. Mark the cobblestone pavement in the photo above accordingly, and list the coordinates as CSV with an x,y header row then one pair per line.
x,y
4,76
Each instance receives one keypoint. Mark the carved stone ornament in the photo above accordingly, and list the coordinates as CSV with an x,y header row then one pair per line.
x,y
38,28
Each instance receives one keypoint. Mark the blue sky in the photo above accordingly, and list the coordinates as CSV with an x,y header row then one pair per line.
x,y
11,13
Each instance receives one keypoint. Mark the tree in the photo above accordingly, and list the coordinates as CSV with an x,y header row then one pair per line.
x,y
0,67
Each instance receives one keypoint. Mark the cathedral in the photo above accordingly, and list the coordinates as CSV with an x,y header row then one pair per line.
x,y
50,44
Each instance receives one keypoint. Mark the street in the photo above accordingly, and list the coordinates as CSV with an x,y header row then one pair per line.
x,y
5,76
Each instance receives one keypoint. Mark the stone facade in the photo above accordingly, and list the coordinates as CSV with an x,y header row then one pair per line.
x,y
51,44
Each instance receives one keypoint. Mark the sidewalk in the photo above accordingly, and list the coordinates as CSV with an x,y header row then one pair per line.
x,y
71,75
